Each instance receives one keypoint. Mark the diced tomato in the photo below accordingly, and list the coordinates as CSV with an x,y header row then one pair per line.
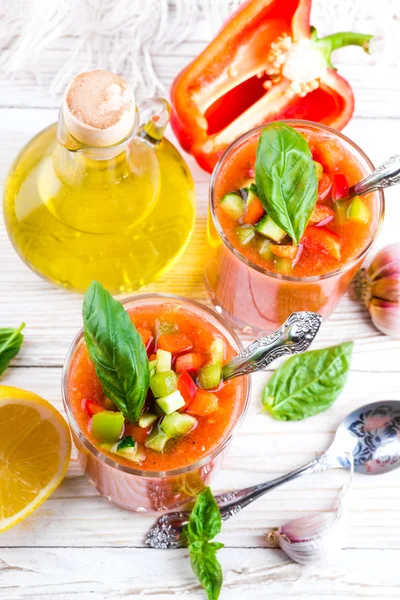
x,y
322,239
254,211
190,362
329,153
187,388
152,356
139,434
284,251
174,342
320,213
324,187
146,335
340,187
91,407
203,403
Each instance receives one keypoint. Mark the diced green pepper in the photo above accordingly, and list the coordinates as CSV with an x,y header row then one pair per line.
x,y
147,419
358,211
245,234
157,440
283,265
265,251
162,384
170,403
210,375
176,425
319,170
164,361
107,426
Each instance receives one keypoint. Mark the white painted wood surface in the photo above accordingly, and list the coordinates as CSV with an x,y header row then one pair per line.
x,y
77,545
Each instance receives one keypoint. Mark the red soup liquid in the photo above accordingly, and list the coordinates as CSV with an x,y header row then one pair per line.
x,y
212,428
257,290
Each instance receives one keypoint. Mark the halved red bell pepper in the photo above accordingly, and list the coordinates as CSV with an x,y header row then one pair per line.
x,y
265,64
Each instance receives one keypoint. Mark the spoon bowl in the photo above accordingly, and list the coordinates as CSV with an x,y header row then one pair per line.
x,y
372,434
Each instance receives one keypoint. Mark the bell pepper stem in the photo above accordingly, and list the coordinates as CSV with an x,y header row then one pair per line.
x,y
328,44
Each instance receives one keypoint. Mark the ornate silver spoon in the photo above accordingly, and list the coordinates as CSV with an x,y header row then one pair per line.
x,y
386,175
293,337
370,433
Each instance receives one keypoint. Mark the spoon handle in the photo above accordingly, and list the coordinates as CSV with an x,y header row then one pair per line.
x,y
386,175
293,337
233,502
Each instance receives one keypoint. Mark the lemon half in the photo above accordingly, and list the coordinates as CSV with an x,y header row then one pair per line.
x,y
35,448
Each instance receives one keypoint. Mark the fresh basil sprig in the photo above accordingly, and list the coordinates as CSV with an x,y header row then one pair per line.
x,y
10,344
307,384
204,524
285,177
117,351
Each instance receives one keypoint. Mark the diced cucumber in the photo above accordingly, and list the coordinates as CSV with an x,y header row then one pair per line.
x,y
164,361
233,205
358,211
170,403
147,419
265,251
126,442
283,265
152,367
126,448
210,375
157,440
107,426
176,425
319,170
217,350
270,229
162,384
245,234
252,193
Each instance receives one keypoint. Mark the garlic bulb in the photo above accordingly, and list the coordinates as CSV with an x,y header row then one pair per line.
x,y
309,539
379,287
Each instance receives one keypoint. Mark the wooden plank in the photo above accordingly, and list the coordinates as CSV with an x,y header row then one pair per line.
x,y
107,573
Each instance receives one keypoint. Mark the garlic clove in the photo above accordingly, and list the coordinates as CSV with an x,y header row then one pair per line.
x,y
310,539
386,263
387,288
385,316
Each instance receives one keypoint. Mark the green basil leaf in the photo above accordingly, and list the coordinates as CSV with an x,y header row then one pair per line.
x,y
10,344
285,177
117,351
205,519
308,383
206,567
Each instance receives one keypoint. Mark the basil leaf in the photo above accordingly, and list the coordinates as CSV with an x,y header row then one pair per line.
x,y
308,383
285,177
117,351
206,567
10,344
205,518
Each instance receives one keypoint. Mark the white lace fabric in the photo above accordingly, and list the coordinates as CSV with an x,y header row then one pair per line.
x,y
127,36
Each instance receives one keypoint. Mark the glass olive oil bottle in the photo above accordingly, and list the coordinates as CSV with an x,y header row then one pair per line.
x,y
100,196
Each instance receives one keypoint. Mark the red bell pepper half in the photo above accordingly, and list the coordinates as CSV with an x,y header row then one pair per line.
x,y
265,64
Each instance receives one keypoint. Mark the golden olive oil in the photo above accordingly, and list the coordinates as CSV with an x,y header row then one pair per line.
x,y
122,220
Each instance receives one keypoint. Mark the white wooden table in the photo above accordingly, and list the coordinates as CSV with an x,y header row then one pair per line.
x,y
78,545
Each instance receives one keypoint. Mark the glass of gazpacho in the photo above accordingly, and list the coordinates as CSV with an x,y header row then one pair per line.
x,y
282,235
167,455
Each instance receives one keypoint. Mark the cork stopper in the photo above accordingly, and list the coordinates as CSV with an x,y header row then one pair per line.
x,y
99,108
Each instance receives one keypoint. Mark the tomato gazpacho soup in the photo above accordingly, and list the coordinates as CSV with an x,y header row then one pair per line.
x,y
188,412
281,224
